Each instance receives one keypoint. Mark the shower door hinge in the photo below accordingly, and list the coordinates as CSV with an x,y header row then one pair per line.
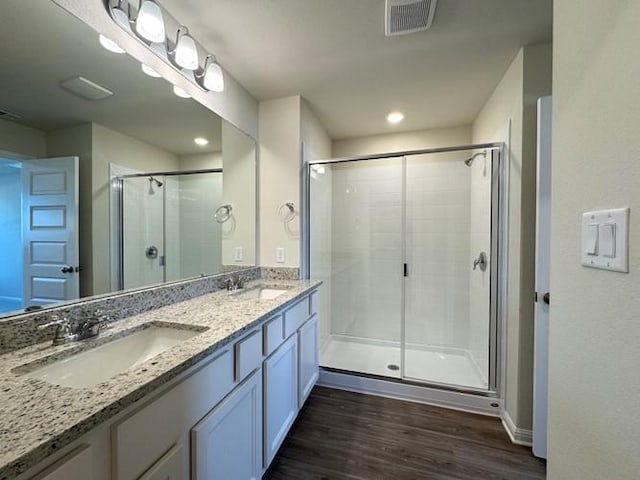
x,y
405,269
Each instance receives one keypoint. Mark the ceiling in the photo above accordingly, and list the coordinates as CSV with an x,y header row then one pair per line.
x,y
37,55
335,54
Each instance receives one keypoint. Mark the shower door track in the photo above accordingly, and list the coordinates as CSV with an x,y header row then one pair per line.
x,y
496,307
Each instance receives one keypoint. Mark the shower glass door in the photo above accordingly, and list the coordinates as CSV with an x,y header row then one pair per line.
x,y
142,231
447,228
356,245
404,247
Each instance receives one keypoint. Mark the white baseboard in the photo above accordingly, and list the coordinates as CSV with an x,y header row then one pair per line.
x,y
519,436
413,393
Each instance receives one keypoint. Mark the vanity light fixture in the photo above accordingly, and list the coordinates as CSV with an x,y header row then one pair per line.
x,y
185,54
201,141
211,76
180,92
109,44
395,117
148,25
150,71
150,22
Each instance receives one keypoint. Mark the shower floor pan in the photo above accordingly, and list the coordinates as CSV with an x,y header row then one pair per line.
x,y
426,363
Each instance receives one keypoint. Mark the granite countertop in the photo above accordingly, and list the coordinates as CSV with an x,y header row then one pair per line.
x,y
38,418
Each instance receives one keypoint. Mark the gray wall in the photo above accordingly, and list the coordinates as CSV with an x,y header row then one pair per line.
x,y
594,389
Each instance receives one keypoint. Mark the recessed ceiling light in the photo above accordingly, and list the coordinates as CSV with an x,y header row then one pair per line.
x,y
150,71
201,141
181,92
395,117
110,45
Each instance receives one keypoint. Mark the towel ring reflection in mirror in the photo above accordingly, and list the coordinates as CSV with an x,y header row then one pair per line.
x,y
287,212
223,213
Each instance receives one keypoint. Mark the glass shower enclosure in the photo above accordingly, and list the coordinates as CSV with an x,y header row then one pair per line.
x,y
407,249
167,230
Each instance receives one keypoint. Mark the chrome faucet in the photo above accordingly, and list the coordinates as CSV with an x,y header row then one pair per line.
x,y
235,283
68,331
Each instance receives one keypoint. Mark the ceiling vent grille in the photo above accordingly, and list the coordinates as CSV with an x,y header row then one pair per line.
x,y
7,115
408,16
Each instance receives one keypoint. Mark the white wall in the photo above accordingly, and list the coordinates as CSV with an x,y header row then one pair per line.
x,y
279,179
239,190
513,102
25,141
398,142
594,384
200,161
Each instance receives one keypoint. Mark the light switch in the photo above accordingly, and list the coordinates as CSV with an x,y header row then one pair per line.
x,y
608,240
280,255
237,254
605,239
590,240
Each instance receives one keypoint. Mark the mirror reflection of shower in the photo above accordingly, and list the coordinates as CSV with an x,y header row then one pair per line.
x,y
469,161
153,180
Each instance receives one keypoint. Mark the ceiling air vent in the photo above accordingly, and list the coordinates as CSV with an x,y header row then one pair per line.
x,y
86,89
7,115
408,16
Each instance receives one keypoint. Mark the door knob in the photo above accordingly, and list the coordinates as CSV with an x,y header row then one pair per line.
x,y
67,269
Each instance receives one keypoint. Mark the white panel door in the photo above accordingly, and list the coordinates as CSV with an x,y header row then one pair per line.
x,y
50,230
77,465
280,396
308,355
226,443
543,242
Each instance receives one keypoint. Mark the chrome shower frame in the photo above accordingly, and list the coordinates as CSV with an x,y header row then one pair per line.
x,y
497,266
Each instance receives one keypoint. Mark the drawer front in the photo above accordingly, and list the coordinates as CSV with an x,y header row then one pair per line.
x,y
143,438
295,316
248,354
314,303
273,335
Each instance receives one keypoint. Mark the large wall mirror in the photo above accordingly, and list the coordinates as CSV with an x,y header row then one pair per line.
x,y
108,180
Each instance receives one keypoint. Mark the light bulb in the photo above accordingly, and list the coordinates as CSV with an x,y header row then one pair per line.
x,y
180,92
213,79
120,16
150,71
110,45
200,141
395,117
186,53
150,22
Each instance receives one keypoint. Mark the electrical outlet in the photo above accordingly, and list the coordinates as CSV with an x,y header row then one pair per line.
x,y
280,255
237,254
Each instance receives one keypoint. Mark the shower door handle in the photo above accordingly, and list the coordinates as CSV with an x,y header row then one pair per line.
x,y
405,270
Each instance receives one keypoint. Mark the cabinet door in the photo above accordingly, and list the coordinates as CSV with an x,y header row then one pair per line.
x,y
74,466
280,396
169,467
226,443
308,345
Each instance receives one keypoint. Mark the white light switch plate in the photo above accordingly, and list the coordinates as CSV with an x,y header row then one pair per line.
x,y
280,255
237,254
612,243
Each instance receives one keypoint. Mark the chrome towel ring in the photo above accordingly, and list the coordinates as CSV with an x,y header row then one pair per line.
x,y
223,213
287,212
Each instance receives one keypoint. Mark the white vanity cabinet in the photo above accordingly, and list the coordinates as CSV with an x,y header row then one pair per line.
x,y
280,372
224,418
308,355
226,444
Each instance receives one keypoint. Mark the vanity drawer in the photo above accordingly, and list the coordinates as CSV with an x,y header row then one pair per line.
x,y
295,316
314,302
144,437
248,354
273,334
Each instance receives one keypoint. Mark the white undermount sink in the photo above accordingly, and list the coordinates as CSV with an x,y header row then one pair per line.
x,y
259,293
90,367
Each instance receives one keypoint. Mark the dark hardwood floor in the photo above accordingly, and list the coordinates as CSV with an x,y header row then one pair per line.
x,y
343,435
